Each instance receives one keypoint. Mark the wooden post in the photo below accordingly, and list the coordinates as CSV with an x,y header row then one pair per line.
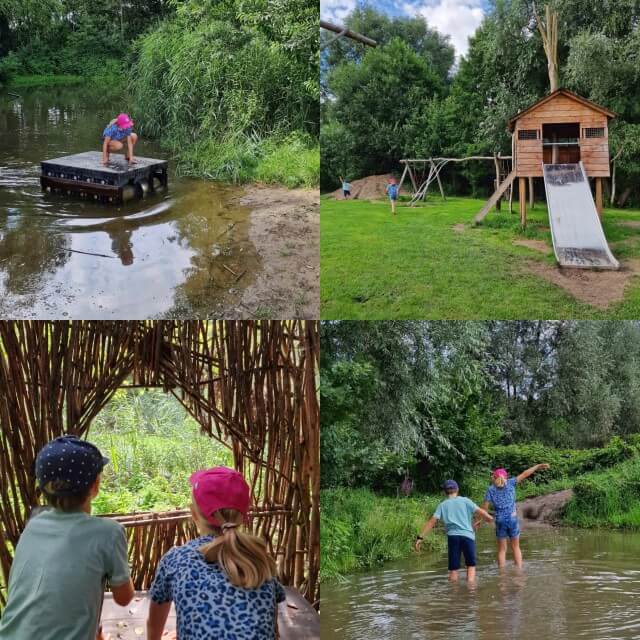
x,y
599,196
522,197
531,194
440,185
497,163
413,178
404,173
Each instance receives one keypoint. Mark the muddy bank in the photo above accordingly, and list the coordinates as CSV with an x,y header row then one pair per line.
x,y
285,230
543,510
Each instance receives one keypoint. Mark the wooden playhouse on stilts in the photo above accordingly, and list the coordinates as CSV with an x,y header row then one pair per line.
x,y
564,139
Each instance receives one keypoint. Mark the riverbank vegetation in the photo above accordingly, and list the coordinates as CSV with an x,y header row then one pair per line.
x,y
406,405
459,107
230,88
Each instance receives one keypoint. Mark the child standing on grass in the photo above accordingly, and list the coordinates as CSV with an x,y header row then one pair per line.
x,y
223,583
346,188
392,191
65,555
119,129
501,493
456,513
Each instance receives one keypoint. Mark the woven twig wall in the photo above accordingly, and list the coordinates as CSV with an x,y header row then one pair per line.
x,y
249,383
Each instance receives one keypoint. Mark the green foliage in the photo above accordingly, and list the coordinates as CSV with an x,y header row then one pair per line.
x,y
153,446
228,87
359,529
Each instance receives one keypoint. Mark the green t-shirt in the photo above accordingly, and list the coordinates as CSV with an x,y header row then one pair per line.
x,y
457,515
57,578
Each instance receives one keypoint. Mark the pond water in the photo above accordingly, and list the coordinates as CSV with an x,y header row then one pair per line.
x,y
575,584
181,253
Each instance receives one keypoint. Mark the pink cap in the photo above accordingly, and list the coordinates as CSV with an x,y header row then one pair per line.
x,y
220,488
500,473
124,121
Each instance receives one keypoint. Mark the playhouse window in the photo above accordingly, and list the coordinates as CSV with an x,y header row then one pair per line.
x,y
528,134
594,132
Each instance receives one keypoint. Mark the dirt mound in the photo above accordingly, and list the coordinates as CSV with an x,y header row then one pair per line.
x,y
597,288
545,509
369,188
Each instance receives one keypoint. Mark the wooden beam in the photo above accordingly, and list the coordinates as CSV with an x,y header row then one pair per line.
x,y
341,31
440,185
599,207
531,194
522,197
497,164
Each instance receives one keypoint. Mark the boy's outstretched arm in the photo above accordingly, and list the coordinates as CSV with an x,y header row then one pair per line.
x,y
158,614
477,516
531,470
485,515
428,525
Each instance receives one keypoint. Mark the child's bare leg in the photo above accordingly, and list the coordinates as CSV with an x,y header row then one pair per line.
x,y
131,140
453,576
471,574
502,552
517,554
393,207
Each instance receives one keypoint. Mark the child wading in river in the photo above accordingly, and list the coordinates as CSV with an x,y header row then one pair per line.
x,y
456,513
392,191
502,495
64,555
223,583
119,129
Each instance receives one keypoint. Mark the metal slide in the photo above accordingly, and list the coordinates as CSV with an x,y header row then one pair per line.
x,y
576,231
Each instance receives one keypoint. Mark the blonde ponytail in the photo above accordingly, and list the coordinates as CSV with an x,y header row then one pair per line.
x,y
242,557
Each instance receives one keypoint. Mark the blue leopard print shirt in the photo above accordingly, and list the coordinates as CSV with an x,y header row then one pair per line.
x,y
503,500
207,605
113,131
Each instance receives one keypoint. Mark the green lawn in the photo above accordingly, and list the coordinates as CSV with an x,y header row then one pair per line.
x,y
417,266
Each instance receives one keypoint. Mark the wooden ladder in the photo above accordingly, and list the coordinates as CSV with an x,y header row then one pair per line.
x,y
504,185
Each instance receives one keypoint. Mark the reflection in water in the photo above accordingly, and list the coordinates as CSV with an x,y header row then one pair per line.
x,y
576,584
181,253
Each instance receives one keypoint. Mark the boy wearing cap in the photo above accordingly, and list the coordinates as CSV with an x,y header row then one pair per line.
x,y
119,129
457,514
65,556
501,493
223,583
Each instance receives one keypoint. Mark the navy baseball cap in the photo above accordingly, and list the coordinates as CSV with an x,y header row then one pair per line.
x,y
77,463
450,485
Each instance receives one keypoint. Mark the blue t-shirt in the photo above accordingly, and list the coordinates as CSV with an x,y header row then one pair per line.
x,y
392,191
503,500
457,515
114,132
207,604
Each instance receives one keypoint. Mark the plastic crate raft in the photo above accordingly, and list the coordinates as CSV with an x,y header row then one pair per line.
x,y
84,175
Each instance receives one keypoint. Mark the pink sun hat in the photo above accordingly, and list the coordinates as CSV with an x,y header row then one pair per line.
x,y
220,488
500,473
124,121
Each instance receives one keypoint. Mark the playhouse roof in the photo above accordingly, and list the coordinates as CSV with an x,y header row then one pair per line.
x,y
568,94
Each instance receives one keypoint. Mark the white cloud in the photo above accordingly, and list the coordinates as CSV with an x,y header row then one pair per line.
x,y
336,10
459,19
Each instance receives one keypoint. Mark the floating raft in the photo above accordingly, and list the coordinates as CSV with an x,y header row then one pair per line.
x,y
84,174
297,619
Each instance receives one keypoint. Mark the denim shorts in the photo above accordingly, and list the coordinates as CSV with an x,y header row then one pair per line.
x,y
461,545
507,527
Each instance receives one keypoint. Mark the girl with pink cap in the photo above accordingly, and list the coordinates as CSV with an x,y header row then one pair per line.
x,y
119,129
223,583
502,495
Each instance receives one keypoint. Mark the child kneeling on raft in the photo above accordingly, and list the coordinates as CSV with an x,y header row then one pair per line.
x,y
223,583
119,129
501,493
457,514
57,579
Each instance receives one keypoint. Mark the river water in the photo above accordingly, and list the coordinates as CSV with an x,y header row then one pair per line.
x,y
576,584
182,253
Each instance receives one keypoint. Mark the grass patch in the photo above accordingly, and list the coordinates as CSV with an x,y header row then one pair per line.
x,y
416,265
360,529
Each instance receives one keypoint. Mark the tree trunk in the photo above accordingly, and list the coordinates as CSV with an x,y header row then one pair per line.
x,y
623,198
549,33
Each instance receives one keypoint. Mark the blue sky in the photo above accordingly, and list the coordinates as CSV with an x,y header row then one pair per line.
x,y
457,18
